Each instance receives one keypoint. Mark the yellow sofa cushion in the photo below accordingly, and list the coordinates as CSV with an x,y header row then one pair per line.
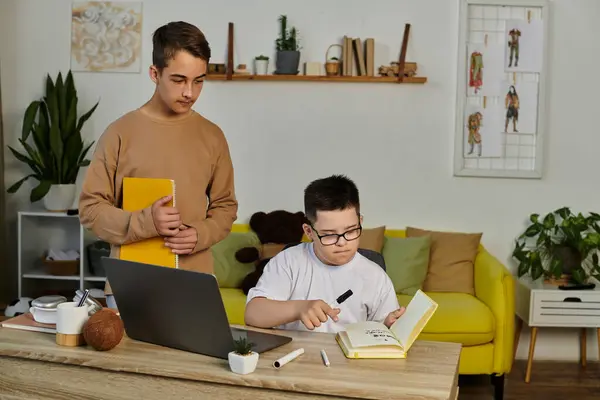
x,y
235,305
460,318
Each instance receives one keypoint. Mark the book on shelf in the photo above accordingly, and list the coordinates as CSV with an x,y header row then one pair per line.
x,y
371,339
139,193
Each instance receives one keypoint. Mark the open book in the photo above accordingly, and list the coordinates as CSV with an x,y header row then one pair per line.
x,y
372,339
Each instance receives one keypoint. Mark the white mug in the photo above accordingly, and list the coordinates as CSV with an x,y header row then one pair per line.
x,y
69,323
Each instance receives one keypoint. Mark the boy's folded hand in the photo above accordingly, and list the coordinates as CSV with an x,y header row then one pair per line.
x,y
314,312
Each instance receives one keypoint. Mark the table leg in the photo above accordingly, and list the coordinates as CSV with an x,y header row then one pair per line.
x,y
583,347
534,331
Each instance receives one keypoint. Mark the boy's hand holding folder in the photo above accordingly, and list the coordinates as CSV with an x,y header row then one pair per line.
x,y
167,220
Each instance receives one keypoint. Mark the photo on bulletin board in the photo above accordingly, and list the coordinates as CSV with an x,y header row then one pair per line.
x,y
485,71
483,132
520,107
524,46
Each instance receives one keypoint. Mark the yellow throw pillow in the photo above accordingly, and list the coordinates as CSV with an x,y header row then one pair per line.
x,y
451,261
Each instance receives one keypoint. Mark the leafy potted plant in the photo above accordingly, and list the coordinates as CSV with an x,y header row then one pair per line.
x,y
261,65
560,243
242,360
58,151
288,49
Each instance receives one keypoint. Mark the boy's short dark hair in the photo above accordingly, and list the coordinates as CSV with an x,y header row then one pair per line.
x,y
336,192
176,36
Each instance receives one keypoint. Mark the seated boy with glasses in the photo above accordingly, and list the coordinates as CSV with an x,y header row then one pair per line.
x,y
299,284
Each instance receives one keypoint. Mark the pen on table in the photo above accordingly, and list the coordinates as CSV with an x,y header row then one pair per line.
x,y
287,358
324,357
83,298
342,298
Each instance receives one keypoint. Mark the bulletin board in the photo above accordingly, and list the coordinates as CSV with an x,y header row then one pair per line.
x,y
501,88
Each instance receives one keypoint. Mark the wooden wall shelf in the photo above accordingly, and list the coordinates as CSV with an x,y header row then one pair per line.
x,y
315,78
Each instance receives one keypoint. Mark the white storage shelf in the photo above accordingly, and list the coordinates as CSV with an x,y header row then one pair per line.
x,y
39,231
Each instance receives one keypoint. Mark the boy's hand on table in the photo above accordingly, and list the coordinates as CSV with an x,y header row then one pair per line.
x,y
393,316
184,241
314,312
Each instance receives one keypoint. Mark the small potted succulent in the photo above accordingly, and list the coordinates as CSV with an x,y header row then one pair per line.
x,y
261,65
242,360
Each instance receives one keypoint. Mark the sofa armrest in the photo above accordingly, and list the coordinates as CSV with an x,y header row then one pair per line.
x,y
495,286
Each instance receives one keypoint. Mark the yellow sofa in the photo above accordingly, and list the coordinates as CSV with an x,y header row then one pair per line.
x,y
483,324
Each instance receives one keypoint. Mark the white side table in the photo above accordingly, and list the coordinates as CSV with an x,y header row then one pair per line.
x,y
539,304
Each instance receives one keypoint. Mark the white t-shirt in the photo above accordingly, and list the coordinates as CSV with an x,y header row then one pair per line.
x,y
297,274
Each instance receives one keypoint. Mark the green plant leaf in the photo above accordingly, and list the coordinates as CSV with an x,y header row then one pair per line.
x,y
40,191
556,267
71,119
17,185
537,270
534,218
85,117
33,155
563,212
549,221
579,275
23,158
523,269
61,97
29,118
533,230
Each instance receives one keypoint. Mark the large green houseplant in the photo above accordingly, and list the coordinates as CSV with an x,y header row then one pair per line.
x,y
560,243
56,150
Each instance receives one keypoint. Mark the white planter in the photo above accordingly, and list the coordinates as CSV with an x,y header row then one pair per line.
x,y
243,364
261,67
60,197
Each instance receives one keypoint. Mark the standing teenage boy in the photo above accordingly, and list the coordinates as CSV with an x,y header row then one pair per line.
x,y
165,138
299,282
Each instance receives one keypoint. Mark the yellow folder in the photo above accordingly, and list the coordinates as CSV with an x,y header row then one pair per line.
x,y
139,193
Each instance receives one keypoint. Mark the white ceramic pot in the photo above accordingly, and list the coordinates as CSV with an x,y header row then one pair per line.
x,y
261,67
243,364
60,197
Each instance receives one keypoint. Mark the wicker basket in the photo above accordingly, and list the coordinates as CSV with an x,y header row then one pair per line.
x,y
60,267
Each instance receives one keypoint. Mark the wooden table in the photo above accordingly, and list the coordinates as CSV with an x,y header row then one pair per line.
x,y
33,366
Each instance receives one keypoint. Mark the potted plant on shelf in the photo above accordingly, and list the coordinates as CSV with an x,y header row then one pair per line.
x,y
58,151
242,360
261,65
288,49
561,244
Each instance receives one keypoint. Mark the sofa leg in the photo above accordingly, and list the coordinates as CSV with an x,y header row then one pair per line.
x,y
498,383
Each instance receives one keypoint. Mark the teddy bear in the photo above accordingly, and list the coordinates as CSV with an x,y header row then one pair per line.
x,y
275,230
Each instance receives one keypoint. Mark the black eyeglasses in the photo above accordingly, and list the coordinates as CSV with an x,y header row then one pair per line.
x,y
332,238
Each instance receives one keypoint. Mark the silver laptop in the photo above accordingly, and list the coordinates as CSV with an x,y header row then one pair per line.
x,y
177,308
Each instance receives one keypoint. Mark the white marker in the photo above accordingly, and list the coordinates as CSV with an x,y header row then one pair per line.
x,y
287,358
324,357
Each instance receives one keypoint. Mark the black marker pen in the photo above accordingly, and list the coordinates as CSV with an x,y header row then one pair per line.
x,y
341,299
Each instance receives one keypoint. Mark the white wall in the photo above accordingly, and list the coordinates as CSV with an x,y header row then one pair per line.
x,y
395,141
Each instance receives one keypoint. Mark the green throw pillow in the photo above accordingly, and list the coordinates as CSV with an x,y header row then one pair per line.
x,y
407,261
229,271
